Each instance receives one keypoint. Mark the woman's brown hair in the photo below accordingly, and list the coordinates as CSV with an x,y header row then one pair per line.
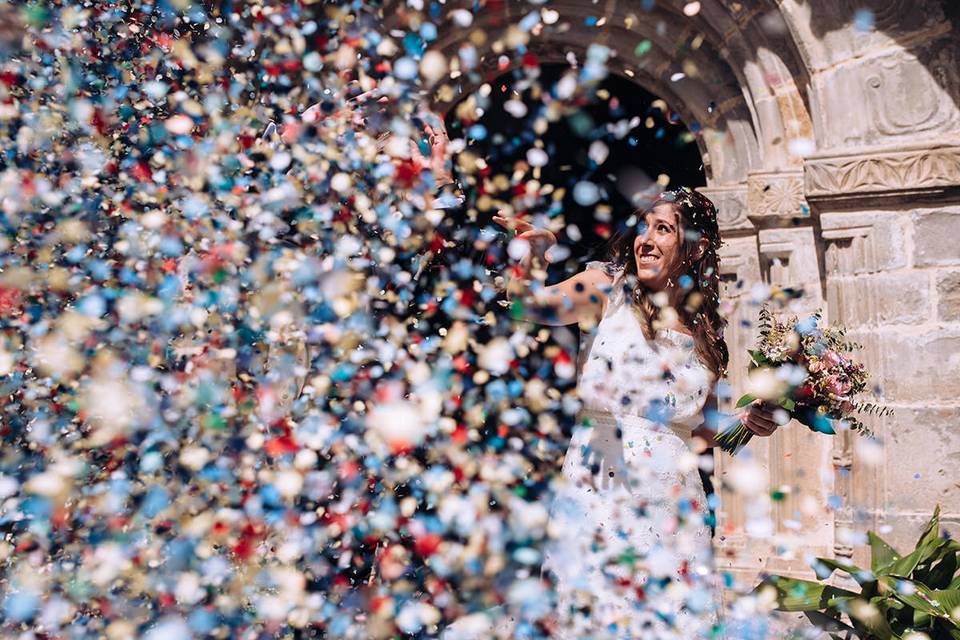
x,y
699,309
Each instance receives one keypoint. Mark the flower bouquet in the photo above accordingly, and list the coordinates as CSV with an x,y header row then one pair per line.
x,y
803,369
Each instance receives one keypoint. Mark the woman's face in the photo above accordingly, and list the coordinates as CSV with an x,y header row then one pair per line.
x,y
658,247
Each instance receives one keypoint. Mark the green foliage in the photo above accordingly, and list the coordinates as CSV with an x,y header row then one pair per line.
x,y
899,594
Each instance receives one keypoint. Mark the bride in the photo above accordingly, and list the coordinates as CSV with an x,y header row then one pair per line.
x,y
630,548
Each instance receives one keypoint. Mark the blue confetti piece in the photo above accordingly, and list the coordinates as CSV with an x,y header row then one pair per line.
x,y
863,20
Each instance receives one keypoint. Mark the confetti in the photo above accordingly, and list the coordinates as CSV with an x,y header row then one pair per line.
x,y
863,20
261,374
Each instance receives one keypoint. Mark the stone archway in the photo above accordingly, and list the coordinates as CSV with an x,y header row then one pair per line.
x,y
831,141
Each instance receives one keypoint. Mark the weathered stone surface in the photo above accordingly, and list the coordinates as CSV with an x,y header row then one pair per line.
x,y
936,237
889,95
880,299
922,456
731,203
864,242
920,366
739,262
948,296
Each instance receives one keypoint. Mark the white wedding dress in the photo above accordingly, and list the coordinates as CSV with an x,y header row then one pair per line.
x,y
630,548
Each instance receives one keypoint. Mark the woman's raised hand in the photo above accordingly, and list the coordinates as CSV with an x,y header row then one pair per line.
x,y
540,240
438,161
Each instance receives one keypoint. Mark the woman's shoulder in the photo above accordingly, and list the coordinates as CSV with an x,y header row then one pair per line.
x,y
608,278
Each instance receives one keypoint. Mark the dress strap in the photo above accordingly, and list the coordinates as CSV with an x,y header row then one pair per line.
x,y
615,295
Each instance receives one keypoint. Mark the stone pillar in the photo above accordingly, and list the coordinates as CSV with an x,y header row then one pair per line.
x,y
770,238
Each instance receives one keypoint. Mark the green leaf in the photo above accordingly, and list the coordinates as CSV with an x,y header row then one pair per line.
x,y
937,603
931,533
826,622
927,547
871,618
881,553
941,573
745,399
788,404
794,594
944,629
758,358
886,602
861,576
949,599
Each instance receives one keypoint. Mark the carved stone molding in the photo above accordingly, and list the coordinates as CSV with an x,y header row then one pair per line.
x,y
883,172
788,258
776,195
731,203
857,243
739,265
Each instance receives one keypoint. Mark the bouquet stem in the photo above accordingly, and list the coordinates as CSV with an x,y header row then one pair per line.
x,y
733,439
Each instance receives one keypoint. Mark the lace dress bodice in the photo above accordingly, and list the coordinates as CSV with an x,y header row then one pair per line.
x,y
619,371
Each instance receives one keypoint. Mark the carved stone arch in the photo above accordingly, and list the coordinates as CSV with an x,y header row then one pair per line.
x,y
755,79
883,72
706,144
729,145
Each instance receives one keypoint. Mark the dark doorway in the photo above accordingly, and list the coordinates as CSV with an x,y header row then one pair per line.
x,y
641,139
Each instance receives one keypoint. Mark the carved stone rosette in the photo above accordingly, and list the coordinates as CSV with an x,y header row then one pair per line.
x,y
776,195
882,173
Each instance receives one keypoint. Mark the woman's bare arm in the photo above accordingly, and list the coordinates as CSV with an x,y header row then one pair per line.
x,y
580,298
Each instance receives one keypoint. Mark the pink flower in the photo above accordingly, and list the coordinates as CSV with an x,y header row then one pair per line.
x,y
831,358
837,386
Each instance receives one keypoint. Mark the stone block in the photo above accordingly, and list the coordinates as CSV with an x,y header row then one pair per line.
x,y
935,238
948,295
879,299
922,454
864,242
919,366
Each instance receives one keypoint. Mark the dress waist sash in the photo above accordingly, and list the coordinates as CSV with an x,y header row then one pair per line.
x,y
599,416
